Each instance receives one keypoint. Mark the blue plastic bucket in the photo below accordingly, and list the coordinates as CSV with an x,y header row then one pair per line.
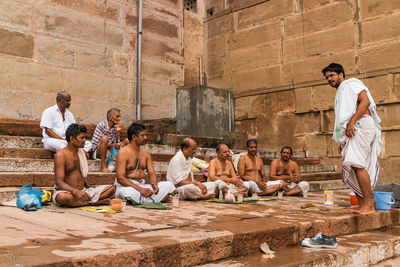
x,y
383,200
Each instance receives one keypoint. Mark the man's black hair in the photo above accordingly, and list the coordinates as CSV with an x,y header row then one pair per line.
x,y
73,130
334,67
287,147
250,141
135,129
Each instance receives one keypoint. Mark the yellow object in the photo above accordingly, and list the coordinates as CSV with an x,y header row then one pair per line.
x,y
195,170
328,197
46,197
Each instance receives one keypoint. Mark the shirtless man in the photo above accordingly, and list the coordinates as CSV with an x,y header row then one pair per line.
x,y
288,170
72,188
221,169
180,174
251,168
132,161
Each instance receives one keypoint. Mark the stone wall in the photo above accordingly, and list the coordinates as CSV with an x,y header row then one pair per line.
x,y
88,47
270,53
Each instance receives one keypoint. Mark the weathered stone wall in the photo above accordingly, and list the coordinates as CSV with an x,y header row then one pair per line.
x,y
88,47
271,54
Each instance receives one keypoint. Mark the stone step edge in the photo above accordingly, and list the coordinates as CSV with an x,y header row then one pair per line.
x,y
234,244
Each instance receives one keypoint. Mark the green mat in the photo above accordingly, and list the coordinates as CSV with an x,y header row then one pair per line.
x,y
152,206
235,202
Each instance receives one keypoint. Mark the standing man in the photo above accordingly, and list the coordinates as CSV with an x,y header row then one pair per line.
x,y
55,121
180,173
132,161
70,166
287,170
106,136
358,133
251,168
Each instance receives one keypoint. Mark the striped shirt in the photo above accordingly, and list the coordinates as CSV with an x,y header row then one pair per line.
x,y
101,130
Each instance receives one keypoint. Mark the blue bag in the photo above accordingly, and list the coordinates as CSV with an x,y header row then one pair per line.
x,y
29,198
112,163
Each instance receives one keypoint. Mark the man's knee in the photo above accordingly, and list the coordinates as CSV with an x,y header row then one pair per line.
x,y
110,191
64,199
282,183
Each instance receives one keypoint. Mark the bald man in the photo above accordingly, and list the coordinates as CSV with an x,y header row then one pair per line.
x,y
180,174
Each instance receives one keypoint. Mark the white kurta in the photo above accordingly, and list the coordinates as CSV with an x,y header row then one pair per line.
x,y
361,150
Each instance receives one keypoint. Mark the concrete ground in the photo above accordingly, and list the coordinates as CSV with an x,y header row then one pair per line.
x,y
192,233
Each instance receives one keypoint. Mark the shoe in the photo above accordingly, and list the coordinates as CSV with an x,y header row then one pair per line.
x,y
320,241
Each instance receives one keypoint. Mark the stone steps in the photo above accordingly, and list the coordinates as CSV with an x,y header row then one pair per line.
x,y
194,233
361,249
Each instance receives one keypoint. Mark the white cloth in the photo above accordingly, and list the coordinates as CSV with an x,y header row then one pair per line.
x,y
179,168
54,144
304,186
83,163
164,189
52,119
191,191
254,188
93,192
361,150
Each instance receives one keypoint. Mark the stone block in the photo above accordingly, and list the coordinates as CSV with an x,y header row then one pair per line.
x,y
156,48
99,8
214,7
68,24
259,78
315,145
214,66
243,107
307,123
219,25
333,40
380,56
160,26
392,143
95,60
263,12
380,87
328,121
247,126
293,49
396,86
310,69
319,19
174,4
216,46
371,8
122,63
303,99
252,58
16,43
310,4
323,97
55,51
15,13
332,149
277,102
163,73
130,18
381,28
158,100
255,36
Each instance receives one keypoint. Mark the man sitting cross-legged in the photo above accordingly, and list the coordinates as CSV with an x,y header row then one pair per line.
x,y
251,168
132,161
70,164
106,136
221,169
180,173
288,170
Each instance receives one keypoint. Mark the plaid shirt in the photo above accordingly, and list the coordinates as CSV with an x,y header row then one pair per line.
x,y
101,130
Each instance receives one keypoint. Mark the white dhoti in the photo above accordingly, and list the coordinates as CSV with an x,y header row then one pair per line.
x,y
55,144
362,149
164,189
304,186
254,188
191,191
359,152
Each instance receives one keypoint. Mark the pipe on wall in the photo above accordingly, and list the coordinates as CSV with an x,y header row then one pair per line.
x,y
139,62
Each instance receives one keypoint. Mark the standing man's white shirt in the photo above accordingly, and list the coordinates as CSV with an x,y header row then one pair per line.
x,y
53,120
